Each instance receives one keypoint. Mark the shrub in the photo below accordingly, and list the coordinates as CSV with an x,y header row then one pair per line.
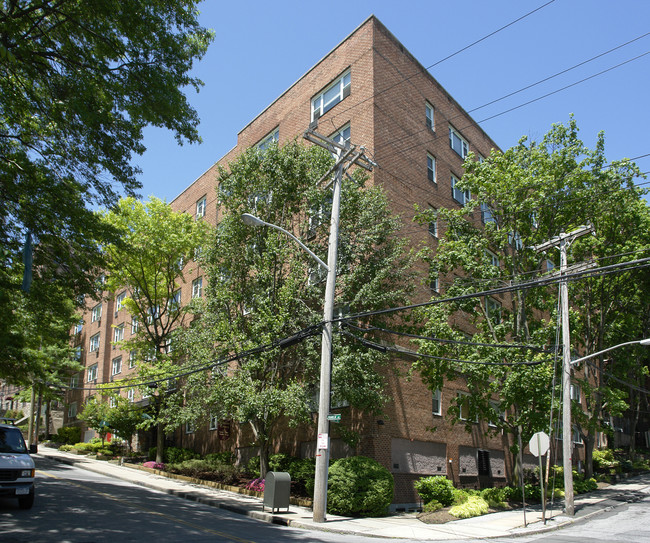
x,y
432,506
359,487
496,497
302,471
460,496
580,485
253,466
68,435
473,507
604,460
437,488
173,455
66,448
207,469
225,457
280,462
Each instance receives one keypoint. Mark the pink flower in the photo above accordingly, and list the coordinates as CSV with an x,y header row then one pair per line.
x,y
256,484
154,465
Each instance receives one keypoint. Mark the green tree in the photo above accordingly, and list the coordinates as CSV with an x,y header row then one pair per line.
x,y
525,195
150,263
263,288
124,418
79,81
95,414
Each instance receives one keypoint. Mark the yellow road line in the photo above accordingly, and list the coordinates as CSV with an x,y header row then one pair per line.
x,y
132,505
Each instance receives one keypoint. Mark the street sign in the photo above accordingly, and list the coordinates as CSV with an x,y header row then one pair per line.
x,y
539,444
334,417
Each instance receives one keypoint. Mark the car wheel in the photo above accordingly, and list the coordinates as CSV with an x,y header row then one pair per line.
x,y
26,502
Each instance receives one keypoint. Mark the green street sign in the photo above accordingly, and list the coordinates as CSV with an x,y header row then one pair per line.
x,y
335,417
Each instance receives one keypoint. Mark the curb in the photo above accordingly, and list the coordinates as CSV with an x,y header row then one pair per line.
x,y
270,518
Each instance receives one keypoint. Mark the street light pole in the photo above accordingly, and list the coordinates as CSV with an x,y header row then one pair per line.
x,y
323,439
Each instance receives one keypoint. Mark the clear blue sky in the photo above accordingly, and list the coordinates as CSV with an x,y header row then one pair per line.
x,y
261,48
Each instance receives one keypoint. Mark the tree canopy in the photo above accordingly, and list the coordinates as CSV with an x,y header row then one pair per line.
x,y
522,197
148,267
264,289
78,83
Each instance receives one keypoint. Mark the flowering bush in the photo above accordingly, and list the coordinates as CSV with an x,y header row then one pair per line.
x,y
154,465
256,484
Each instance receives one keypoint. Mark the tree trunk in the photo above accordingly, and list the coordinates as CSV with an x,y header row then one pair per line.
x,y
590,441
633,424
160,443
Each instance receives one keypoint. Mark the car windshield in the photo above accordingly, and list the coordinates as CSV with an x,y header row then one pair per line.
x,y
11,441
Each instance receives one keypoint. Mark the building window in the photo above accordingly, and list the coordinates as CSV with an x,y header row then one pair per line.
x,y
200,207
96,313
77,354
575,392
434,282
431,168
79,327
461,196
135,324
458,143
94,343
331,96
130,395
117,366
197,287
189,428
486,214
493,310
497,415
492,258
92,373
429,113
176,300
437,402
343,135
575,436
268,140
214,422
133,355
118,333
112,402
72,410
74,380
433,224
119,301
463,406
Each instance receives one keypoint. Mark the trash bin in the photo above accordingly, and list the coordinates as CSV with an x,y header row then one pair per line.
x,y
277,489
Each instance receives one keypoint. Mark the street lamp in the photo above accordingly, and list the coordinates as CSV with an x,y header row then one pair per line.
x,y
566,408
644,342
322,438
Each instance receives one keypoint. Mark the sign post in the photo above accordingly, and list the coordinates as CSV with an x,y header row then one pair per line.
x,y
538,446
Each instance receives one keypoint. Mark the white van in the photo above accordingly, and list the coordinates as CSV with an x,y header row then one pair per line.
x,y
17,468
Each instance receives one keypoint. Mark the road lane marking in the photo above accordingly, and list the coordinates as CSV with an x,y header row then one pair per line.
x,y
133,505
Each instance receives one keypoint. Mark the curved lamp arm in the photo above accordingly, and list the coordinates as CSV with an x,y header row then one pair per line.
x,y
252,220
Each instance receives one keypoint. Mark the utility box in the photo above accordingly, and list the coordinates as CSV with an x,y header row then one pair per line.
x,y
277,490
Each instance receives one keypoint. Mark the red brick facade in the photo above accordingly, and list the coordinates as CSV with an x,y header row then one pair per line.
x,y
387,110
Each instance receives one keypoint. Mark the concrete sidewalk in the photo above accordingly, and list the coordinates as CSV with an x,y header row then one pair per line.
x,y
398,526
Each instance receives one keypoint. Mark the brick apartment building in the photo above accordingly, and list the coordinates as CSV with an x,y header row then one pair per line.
x,y
371,90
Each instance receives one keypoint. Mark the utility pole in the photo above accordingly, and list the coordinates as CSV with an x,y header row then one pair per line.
x,y
563,241
346,156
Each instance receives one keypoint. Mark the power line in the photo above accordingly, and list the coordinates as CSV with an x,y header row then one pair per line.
x,y
405,79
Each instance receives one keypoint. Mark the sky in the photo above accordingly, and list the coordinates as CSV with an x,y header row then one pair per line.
x,y
261,48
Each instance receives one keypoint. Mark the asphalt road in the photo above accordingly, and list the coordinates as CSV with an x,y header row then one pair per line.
x,y
78,506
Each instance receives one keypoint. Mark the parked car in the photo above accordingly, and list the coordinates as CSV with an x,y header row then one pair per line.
x,y
17,467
